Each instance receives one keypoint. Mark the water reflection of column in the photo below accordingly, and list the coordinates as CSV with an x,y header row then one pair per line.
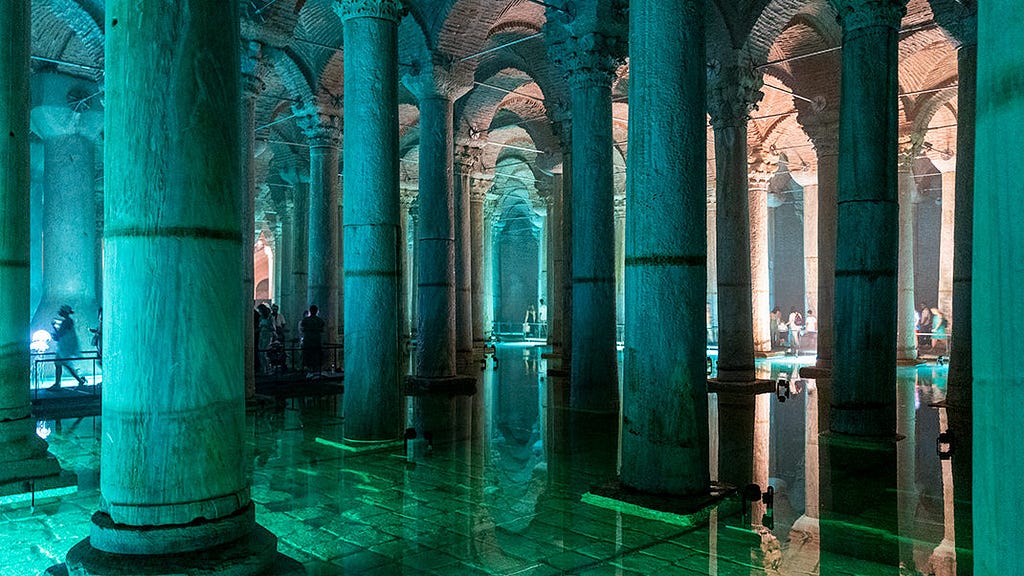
x,y
943,561
906,462
804,551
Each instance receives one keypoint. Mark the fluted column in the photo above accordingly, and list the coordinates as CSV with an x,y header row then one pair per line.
x,y
906,339
69,138
252,86
665,403
589,68
734,91
436,88
324,261
373,403
24,462
174,490
477,195
863,398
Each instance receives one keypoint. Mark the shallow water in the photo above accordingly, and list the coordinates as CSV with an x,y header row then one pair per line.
x,y
498,489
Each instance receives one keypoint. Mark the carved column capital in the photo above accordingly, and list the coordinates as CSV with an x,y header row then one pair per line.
x,y
588,60
858,14
442,77
392,10
322,128
909,147
733,93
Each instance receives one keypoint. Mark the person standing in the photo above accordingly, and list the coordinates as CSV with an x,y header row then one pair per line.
x,y
810,339
280,326
312,329
66,339
542,319
796,322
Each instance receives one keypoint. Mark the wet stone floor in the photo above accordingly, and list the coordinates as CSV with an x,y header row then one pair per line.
x,y
499,489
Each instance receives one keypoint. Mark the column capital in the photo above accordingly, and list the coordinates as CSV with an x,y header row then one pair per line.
x,y
442,77
468,152
822,127
587,60
56,121
733,93
858,14
959,18
909,145
392,10
322,129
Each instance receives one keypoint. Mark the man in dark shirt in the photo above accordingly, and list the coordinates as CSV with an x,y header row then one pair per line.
x,y
312,329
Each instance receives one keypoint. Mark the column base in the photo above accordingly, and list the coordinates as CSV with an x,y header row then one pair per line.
x,y
253,555
31,476
451,386
749,387
816,372
682,510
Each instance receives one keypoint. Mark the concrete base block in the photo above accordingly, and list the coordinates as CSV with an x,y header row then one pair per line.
x,y
682,510
253,555
815,372
453,386
753,387
34,475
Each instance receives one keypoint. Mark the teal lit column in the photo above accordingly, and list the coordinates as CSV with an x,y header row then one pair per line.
x,y
863,395
324,263
997,286
70,258
959,391
252,86
436,88
466,161
589,69
25,464
665,401
477,195
734,91
298,215
174,489
906,338
373,404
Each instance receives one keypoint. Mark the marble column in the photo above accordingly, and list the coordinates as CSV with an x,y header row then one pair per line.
x,y
69,206
436,88
414,267
565,136
488,270
298,215
960,389
760,263
324,261
734,91
466,162
711,314
174,489
373,401
252,86
25,465
405,269
620,262
827,148
906,339
556,267
665,401
863,398
947,244
590,69
810,212
477,195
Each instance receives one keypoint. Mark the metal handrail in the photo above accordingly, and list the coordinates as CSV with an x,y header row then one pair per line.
x,y
39,358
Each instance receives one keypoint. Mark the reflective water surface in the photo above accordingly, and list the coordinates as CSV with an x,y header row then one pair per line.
x,y
495,487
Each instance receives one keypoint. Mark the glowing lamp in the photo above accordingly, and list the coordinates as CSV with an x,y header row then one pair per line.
x,y
40,341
